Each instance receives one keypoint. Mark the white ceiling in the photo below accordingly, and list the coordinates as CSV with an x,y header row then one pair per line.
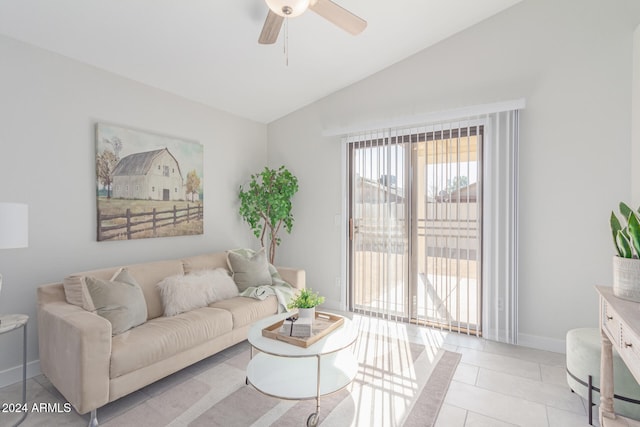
x,y
207,50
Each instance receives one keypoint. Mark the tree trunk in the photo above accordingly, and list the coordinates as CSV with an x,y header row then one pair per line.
x,y
272,250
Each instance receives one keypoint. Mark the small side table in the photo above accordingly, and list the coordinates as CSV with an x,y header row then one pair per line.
x,y
8,323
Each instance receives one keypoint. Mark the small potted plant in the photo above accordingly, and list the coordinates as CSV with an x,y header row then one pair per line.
x,y
306,301
626,264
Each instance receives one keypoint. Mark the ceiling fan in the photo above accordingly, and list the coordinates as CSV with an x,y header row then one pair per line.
x,y
280,9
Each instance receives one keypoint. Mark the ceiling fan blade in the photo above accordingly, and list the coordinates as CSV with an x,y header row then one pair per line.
x,y
339,16
271,28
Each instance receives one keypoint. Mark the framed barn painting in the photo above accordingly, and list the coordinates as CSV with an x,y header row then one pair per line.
x,y
147,185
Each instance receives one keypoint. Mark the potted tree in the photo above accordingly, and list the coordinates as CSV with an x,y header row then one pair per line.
x,y
626,264
266,205
306,302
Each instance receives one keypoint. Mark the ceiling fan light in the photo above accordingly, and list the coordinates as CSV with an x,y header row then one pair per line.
x,y
288,8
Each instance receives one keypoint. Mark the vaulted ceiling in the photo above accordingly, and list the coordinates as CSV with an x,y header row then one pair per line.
x,y
207,50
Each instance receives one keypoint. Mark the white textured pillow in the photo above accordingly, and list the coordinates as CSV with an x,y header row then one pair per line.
x,y
182,293
220,281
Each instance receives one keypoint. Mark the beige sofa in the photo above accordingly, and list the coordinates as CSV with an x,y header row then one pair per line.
x,y
91,368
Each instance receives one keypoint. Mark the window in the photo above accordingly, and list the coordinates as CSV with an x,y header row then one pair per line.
x,y
165,171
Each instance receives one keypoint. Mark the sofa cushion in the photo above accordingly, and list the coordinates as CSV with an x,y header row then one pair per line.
x,y
119,300
249,268
205,262
164,337
149,275
76,293
246,310
186,292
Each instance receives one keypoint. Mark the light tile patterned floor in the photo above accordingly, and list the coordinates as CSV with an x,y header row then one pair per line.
x,y
504,385
494,385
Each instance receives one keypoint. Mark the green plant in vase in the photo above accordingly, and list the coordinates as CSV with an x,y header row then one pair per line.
x,y
626,264
627,239
266,205
306,301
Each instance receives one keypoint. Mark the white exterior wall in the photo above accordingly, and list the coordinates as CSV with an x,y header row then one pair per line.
x,y
129,187
152,185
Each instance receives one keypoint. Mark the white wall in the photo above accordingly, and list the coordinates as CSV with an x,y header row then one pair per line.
x,y
572,62
48,108
635,121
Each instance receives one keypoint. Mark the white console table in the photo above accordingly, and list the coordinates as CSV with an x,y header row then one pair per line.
x,y
619,327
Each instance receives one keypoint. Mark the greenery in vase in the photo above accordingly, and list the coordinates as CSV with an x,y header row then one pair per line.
x,y
306,299
266,205
627,239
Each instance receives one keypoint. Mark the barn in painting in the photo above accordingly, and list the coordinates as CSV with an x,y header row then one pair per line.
x,y
150,175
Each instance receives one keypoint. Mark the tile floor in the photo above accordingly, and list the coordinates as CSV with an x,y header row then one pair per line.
x,y
494,385
504,385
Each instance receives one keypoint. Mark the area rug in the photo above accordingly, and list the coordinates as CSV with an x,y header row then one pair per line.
x,y
401,381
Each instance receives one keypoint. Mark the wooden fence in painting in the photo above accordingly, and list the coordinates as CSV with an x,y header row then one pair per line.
x,y
126,225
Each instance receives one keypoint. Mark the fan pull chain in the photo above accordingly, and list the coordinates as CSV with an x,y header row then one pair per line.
x,y
286,41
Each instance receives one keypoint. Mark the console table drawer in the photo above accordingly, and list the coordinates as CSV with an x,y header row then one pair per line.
x,y
611,323
629,349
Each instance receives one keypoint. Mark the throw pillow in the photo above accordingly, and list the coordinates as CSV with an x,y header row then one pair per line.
x,y
119,300
249,268
123,275
75,292
181,293
222,285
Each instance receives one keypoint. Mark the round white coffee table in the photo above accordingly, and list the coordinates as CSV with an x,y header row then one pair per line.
x,y
287,371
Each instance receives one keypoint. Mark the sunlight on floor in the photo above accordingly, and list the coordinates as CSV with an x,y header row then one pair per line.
x,y
396,360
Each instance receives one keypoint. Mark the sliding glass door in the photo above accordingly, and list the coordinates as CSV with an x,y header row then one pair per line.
x,y
378,227
415,235
446,229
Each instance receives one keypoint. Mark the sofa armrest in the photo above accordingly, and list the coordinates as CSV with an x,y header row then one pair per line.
x,y
75,353
293,276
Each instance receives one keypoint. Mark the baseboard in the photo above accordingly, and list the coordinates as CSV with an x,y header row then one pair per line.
x,y
14,375
542,343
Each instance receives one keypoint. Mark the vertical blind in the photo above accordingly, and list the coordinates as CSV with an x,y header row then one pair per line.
x,y
379,233
500,229
432,213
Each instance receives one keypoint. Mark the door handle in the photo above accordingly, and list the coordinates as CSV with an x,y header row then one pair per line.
x,y
351,231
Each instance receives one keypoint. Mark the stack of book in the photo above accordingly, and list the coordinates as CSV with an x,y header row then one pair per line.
x,y
298,328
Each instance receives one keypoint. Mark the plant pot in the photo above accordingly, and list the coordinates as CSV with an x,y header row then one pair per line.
x,y
307,313
626,278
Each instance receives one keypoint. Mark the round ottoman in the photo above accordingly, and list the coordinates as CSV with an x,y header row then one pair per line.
x,y
583,360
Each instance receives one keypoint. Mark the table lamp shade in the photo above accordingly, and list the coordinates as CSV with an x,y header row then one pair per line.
x,y
14,225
